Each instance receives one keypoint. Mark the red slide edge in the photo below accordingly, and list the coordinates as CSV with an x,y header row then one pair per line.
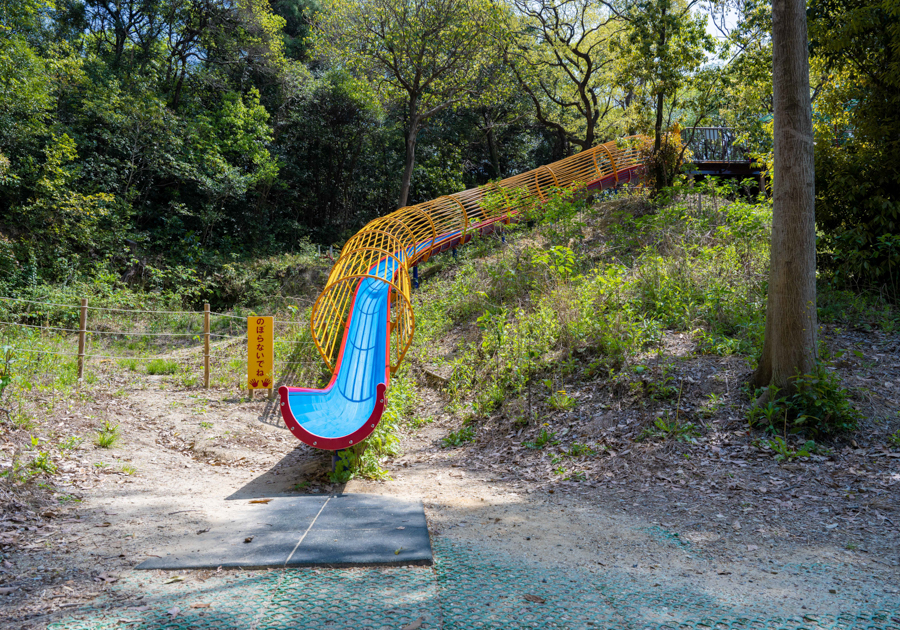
x,y
331,444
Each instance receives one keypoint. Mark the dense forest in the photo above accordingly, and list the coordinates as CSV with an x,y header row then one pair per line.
x,y
151,142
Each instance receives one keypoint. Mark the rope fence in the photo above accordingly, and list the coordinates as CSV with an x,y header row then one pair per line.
x,y
83,332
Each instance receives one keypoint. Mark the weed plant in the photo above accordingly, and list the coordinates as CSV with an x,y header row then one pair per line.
x,y
544,438
366,459
894,439
459,437
819,406
592,288
667,428
108,435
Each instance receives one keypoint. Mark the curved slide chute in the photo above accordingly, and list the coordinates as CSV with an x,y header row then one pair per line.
x,y
362,322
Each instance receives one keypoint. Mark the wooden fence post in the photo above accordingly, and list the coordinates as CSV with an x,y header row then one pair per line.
x,y
206,345
82,329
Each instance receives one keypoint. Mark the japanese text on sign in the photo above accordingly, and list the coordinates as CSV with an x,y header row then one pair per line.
x,y
260,352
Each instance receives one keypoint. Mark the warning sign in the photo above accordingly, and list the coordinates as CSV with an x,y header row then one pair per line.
x,y
260,352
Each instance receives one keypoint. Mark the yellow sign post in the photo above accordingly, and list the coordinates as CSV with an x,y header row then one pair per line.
x,y
260,353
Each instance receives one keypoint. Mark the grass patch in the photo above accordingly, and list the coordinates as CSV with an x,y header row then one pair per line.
x,y
158,367
108,435
459,437
590,290
129,364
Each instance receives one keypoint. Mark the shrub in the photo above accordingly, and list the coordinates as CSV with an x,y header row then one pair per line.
x,y
820,405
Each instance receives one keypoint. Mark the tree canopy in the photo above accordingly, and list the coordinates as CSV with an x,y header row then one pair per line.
x,y
142,136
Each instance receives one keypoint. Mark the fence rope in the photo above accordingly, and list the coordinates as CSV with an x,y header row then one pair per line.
x,y
41,327
127,310
134,358
142,334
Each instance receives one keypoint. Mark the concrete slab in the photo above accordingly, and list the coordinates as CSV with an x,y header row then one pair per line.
x,y
364,547
343,530
266,549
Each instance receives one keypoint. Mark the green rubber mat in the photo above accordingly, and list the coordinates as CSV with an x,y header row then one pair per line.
x,y
469,587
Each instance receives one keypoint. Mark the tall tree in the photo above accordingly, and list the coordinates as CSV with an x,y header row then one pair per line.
x,y
790,336
666,44
423,54
563,62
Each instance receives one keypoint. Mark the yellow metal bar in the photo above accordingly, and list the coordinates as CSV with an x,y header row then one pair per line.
x,y
404,236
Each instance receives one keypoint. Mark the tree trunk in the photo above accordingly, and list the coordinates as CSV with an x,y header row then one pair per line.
x,y
411,133
495,152
790,337
659,165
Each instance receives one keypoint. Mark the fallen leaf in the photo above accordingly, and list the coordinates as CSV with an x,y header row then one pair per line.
x,y
174,611
263,501
202,531
6,590
397,553
724,572
415,625
104,525
200,605
535,598
176,578
249,539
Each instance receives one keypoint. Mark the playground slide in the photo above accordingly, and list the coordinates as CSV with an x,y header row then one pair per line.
x,y
362,322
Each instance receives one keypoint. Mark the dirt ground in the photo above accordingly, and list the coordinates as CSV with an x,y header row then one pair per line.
x,y
720,512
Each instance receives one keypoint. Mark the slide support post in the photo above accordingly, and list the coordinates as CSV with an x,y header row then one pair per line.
x,y
416,277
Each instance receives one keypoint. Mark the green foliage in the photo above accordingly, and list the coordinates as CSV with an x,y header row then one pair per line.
x,y
819,406
561,401
668,428
857,122
42,463
894,439
6,376
365,459
544,309
785,452
162,367
544,438
108,435
459,437
579,450
70,444
568,96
